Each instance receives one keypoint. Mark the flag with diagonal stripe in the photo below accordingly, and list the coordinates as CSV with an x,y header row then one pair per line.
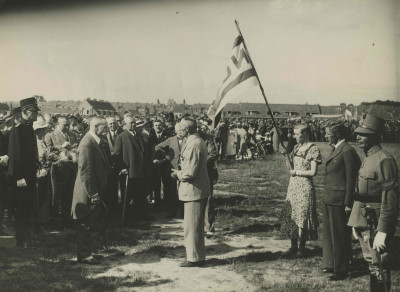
x,y
240,76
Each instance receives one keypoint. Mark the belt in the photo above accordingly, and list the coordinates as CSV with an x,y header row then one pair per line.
x,y
365,198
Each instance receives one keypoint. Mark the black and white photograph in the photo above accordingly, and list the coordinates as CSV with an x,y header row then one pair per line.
x,y
202,145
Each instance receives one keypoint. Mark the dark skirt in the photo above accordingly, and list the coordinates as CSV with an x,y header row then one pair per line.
x,y
289,229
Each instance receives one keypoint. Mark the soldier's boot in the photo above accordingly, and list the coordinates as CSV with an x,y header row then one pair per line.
x,y
293,248
383,282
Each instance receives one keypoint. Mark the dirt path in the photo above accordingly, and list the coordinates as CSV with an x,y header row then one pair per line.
x,y
160,271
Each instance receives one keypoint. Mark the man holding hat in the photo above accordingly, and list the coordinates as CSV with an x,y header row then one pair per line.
x,y
376,202
22,167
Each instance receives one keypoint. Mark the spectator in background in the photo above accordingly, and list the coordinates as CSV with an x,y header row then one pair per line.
x,y
160,173
132,155
62,141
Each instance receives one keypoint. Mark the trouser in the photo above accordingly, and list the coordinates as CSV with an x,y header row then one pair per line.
x,y
376,260
110,199
161,173
137,193
193,225
209,219
85,232
3,197
42,210
336,251
63,187
26,202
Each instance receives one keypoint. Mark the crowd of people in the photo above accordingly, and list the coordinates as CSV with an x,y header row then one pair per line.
x,y
99,172
62,170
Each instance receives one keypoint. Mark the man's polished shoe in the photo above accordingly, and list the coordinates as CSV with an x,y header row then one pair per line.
x,y
338,276
187,264
89,261
327,270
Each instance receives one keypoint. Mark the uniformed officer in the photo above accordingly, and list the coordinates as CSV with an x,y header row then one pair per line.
x,y
22,168
376,202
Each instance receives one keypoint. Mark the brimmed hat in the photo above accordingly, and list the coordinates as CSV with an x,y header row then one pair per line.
x,y
40,123
371,125
29,103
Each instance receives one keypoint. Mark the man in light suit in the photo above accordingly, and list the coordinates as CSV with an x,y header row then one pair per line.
x,y
63,175
194,189
341,170
132,155
168,152
90,184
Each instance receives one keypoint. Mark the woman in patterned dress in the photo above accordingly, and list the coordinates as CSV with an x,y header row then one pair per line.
x,y
299,216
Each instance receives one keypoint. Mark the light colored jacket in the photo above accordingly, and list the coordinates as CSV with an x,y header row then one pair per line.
x,y
195,184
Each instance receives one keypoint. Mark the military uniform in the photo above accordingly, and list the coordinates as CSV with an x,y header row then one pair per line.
x,y
375,209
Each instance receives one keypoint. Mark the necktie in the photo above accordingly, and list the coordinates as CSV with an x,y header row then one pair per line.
x,y
106,150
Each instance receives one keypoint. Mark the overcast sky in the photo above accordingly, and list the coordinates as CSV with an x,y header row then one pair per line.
x,y
323,52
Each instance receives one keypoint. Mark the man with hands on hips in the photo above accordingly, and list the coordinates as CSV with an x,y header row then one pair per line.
x,y
376,202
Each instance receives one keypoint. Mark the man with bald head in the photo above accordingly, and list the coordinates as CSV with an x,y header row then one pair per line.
x,y
90,184
194,189
132,156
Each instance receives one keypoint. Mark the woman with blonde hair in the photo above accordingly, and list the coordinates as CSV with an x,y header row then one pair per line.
x,y
299,216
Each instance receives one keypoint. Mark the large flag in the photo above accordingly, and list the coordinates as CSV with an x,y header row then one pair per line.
x,y
240,76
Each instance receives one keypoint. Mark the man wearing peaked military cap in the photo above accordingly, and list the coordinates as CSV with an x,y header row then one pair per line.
x,y
23,164
376,202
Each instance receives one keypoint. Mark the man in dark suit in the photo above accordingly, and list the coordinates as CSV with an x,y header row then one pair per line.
x,y
341,169
132,155
168,152
3,182
22,168
160,171
115,180
63,174
90,185
209,222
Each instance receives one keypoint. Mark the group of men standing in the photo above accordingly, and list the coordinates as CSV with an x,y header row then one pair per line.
x,y
131,161
362,197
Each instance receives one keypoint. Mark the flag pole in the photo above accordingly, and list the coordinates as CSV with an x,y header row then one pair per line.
x,y
278,131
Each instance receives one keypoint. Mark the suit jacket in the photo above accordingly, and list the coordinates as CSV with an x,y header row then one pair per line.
x,y
341,170
56,139
110,140
132,153
170,149
23,155
195,184
3,151
93,171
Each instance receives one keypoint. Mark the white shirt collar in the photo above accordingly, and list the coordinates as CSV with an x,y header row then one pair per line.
x,y
338,143
96,138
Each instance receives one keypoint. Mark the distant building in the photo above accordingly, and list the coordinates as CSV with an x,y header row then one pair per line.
x,y
91,107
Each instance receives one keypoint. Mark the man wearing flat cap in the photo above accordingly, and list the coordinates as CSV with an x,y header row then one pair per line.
x,y
22,168
376,202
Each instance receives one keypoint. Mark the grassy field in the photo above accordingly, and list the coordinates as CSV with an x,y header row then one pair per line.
x,y
263,185
249,197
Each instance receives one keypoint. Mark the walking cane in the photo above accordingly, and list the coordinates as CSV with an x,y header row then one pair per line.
x,y
124,203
